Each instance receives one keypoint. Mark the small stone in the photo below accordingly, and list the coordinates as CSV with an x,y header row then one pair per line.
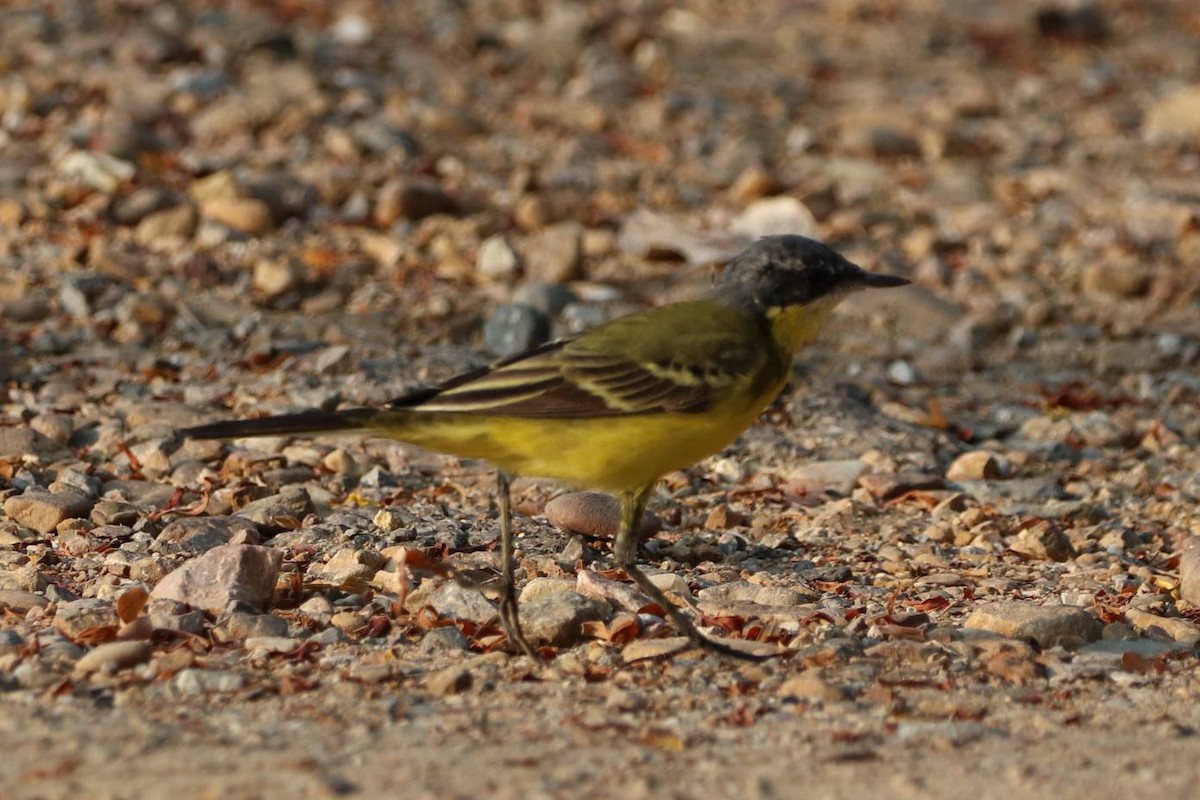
x,y
348,566
446,639
448,681
1043,540
74,618
821,476
273,277
1175,116
167,224
20,602
193,681
196,535
454,602
643,649
1047,625
514,328
226,574
278,512
247,215
497,259
555,253
113,657
544,587
810,685
43,511
1178,630
902,373
271,644
625,596
17,444
1189,571
98,171
594,514
239,625
558,619
975,466
412,200
1116,278
775,216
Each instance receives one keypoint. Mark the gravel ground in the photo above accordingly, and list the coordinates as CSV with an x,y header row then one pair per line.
x,y
970,526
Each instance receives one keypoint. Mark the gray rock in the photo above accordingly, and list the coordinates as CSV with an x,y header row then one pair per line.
x,y
558,619
455,602
446,639
774,216
514,328
330,636
170,615
226,574
195,535
275,513
239,625
1047,625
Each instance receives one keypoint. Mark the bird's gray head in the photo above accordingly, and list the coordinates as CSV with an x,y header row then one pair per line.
x,y
783,271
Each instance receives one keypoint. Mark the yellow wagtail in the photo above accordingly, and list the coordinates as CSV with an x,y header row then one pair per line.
x,y
619,406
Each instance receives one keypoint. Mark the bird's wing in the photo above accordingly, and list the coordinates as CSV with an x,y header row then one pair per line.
x,y
676,358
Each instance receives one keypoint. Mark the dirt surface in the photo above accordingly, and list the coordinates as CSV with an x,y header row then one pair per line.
x,y
968,527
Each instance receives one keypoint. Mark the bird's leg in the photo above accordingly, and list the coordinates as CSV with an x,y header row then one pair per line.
x,y
633,504
509,616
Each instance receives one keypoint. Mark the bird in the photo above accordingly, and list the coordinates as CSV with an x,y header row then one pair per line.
x,y
618,406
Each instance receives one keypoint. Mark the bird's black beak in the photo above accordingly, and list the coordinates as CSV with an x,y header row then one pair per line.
x,y
877,280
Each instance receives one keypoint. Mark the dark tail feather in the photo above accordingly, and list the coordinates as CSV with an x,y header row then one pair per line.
x,y
351,419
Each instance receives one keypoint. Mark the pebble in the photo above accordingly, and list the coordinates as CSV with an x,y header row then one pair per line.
x,y
223,575
411,199
453,602
239,625
1043,540
542,586
1047,625
113,657
497,259
976,465
74,618
1175,116
20,602
1189,570
195,535
822,476
451,680
774,216
194,681
557,619
169,223
273,277
554,254
43,511
278,512
810,685
594,514
348,566
1116,278
514,328
1179,630
446,639
247,215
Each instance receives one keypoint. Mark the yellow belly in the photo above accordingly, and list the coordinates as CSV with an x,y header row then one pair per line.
x,y
608,453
